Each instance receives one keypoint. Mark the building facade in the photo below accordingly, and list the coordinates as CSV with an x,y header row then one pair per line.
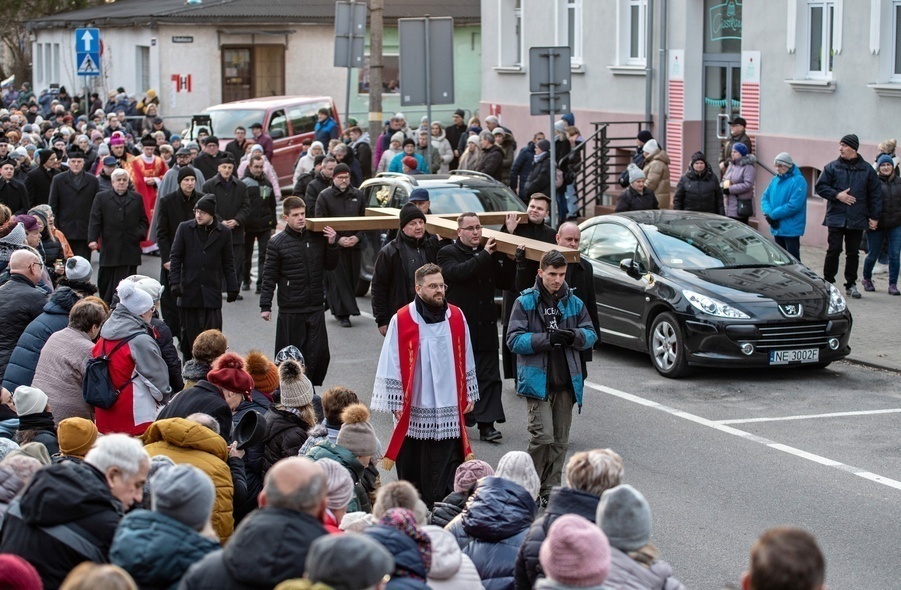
x,y
803,73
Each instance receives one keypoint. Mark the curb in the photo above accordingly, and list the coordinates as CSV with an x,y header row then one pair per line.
x,y
871,364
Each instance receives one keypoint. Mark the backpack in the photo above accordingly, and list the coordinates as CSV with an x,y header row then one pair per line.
x,y
97,388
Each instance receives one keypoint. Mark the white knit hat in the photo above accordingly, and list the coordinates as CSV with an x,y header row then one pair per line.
x,y
518,467
135,300
149,285
78,269
29,400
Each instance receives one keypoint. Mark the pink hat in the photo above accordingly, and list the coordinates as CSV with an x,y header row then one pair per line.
x,y
575,552
15,572
116,140
470,472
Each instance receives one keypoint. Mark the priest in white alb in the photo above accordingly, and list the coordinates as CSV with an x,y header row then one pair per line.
x,y
427,378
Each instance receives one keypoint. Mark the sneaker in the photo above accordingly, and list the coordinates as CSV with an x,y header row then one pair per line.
x,y
893,289
852,292
880,269
867,285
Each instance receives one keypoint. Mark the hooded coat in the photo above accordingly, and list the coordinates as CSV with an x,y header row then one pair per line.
x,y
64,499
492,527
741,175
628,574
699,192
157,550
451,568
269,547
656,170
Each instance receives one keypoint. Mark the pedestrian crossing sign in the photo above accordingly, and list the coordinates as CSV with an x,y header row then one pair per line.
x,y
88,64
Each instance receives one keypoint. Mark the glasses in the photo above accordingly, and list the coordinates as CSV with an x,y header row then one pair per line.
x,y
40,265
473,228
436,287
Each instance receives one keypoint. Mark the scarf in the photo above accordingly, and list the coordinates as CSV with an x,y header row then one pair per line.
x,y
431,315
37,421
403,520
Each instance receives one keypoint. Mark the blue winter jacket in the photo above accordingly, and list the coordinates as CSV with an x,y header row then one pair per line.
x,y
24,358
325,131
785,201
858,176
528,338
409,569
492,527
397,163
157,550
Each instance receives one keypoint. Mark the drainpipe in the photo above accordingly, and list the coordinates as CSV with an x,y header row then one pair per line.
x,y
649,62
661,74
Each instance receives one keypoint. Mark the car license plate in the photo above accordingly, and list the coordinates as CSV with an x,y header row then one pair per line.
x,y
804,355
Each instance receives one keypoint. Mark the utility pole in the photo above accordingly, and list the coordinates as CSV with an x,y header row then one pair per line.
x,y
376,119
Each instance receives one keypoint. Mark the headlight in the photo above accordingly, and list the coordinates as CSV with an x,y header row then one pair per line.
x,y
837,302
713,307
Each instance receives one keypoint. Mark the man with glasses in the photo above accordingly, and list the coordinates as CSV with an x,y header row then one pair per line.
x,y
342,200
72,196
473,274
20,301
426,377
119,221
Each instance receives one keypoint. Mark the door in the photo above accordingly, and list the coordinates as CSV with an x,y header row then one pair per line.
x,y
722,102
237,74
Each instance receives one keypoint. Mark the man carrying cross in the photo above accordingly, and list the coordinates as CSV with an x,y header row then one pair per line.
x,y
426,377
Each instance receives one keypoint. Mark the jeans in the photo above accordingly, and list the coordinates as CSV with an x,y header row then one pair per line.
x,y
562,206
572,203
549,423
790,245
851,239
875,239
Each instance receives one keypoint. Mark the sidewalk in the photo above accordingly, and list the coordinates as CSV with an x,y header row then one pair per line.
x,y
877,317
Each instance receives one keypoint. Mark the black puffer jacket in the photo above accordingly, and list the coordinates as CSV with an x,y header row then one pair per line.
x,y
296,263
863,182
262,203
562,501
540,176
20,302
632,200
285,434
891,202
492,527
392,277
314,187
699,192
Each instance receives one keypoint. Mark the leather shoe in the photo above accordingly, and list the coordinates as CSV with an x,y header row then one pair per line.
x,y
490,434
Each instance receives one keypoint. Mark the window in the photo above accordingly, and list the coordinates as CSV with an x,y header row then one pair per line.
x,y
509,38
278,125
39,61
638,26
390,75
612,244
142,68
820,18
896,41
303,117
55,63
569,27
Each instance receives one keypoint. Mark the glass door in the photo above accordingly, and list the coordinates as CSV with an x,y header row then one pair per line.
x,y
722,102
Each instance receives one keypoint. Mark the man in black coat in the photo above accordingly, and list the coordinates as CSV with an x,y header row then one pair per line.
x,y
492,159
232,206
472,273
539,180
38,180
322,179
454,132
580,278
208,161
296,262
342,200
119,221
13,193
238,146
20,302
393,278
171,210
292,503
261,220
201,262
71,198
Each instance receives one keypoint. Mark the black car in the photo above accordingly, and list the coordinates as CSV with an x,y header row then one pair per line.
x,y
457,192
696,289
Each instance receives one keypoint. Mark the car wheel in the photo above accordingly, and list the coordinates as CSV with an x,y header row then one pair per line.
x,y
362,288
666,346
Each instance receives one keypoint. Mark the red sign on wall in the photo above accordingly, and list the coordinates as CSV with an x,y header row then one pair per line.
x,y
181,83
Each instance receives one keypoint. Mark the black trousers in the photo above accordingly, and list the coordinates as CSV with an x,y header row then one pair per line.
x,y
430,465
109,277
238,254
307,332
80,248
851,239
262,237
168,305
195,320
490,407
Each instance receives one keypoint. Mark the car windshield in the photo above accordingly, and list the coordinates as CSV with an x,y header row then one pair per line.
x,y
457,199
697,244
225,121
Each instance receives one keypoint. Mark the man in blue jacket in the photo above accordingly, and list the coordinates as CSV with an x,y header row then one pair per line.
x,y
548,328
855,202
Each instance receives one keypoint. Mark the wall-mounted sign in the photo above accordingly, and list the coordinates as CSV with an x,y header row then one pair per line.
x,y
182,39
725,21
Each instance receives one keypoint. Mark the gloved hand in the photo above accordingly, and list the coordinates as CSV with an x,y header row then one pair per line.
x,y
569,337
232,296
520,254
725,190
773,223
562,337
175,290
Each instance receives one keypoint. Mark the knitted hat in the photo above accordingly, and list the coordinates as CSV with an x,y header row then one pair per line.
x,y
560,126
625,517
186,171
544,145
785,159
149,285
18,574
475,129
78,269
183,493
29,400
16,235
650,146
76,437
340,487
135,300
474,139
740,148
884,159
498,131
518,467
398,137
408,213
470,472
341,168
357,435
408,141
263,371
635,173
410,162
35,450
419,194
207,204
319,159
348,562
698,156
851,141
289,352
6,447
296,390
644,135
575,552
228,373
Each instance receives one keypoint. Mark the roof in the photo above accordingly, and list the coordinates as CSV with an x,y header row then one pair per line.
x,y
125,13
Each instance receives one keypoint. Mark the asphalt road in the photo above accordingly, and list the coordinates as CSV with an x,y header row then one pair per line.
x,y
721,456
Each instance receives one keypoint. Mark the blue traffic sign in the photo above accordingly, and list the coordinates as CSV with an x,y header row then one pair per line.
x,y
87,64
87,40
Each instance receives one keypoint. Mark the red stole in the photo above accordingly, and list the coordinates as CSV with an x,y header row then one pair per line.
x,y
408,342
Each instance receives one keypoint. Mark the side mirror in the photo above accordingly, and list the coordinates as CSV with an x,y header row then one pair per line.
x,y
631,268
276,133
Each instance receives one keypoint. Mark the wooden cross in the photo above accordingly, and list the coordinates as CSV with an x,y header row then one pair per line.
x,y
445,225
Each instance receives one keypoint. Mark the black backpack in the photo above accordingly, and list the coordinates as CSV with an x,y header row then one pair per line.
x,y
96,386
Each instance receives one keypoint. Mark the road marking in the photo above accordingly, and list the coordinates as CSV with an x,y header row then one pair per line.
x,y
720,426
366,314
811,416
